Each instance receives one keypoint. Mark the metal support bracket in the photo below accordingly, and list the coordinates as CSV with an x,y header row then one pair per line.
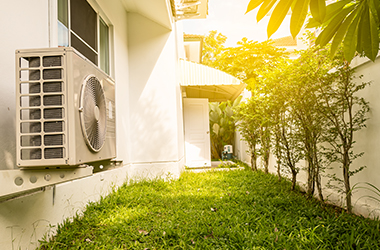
x,y
14,183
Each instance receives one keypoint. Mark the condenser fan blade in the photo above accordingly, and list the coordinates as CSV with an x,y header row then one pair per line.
x,y
93,113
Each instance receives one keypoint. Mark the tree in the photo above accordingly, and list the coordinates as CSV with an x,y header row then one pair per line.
x,y
213,47
306,72
249,126
254,124
276,84
355,23
346,114
243,61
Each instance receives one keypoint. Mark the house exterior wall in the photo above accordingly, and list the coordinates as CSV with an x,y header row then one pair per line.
x,y
148,113
193,50
154,91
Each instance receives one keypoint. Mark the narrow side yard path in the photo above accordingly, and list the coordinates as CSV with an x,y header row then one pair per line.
x,y
237,209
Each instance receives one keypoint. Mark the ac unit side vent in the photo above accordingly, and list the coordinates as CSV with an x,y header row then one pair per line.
x,y
30,140
53,140
53,113
49,87
53,127
52,61
52,74
31,154
54,153
42,107
30,127
53,100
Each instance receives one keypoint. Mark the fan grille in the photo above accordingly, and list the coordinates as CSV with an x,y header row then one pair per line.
x,y
93,113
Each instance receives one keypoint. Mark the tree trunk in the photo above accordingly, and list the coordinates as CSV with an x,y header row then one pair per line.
x,y
279,171
294,179
310,177
346,178
253,159
317,173
266,161
319,184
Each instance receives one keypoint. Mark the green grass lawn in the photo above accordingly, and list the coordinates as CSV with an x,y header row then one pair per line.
x,y
237,209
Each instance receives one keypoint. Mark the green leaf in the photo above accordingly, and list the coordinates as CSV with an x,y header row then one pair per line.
x,y
237,101
312,23
318,9
213,106
369,38
253,4
278,15
350,40
229,111
264,9
334,8
374,7
214,117
298,16
215,128
332,27
342,32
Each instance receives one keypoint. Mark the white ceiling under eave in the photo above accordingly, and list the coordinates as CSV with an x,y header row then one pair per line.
x,y
200,81
158,11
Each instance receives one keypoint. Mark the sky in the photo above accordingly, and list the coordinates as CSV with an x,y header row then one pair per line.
x,y
228,18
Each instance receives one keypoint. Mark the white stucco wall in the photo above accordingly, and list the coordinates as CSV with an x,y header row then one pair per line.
x,y
193,50
241,150
154,91
148,113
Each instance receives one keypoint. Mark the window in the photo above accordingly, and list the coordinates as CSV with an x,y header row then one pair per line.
x,y
81,27
104,46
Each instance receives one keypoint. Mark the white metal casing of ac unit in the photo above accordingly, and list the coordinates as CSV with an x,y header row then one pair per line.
x,y
49,85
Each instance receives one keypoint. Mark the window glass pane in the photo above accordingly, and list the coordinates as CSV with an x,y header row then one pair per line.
x,y
63,35
84,49
63,24
63,12
84,22
104,46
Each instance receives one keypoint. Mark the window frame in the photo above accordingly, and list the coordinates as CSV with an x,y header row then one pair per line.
x,y
100,17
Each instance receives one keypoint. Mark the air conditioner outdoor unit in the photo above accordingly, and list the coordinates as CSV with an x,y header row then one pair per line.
x,y
65,109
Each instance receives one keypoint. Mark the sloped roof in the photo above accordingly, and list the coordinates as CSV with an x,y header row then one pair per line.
x,y
200,81
192,36
285,41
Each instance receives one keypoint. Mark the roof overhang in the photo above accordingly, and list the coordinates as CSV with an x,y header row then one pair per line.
x,y
200,81
159,11
191,9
